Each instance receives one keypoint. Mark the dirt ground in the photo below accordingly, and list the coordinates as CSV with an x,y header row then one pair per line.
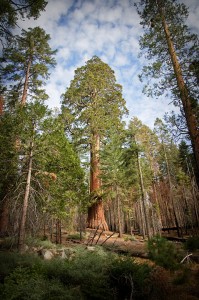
x,y
184,284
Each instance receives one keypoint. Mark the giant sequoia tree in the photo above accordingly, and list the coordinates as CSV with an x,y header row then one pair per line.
x,y
174,53
95,101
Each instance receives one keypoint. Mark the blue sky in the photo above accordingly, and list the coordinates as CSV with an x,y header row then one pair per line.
x,y
110,29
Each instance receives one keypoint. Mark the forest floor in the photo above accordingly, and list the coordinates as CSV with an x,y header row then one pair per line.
x,y
134,245
184,283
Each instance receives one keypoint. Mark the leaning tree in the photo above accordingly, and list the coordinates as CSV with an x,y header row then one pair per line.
x,y
94,100
173,51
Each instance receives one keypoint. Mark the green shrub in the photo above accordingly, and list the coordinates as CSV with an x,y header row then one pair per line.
x,y
9,243
163,252
24,284
129,279
74,236
182,276
36,242
9,261
89,275
192,243
90,271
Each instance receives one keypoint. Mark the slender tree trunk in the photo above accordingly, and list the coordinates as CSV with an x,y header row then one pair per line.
x,y
141,219
96,218
143,197
118,212
159,225
171,192
25,88
4,217
25,202
1,105
51,229
190,116
58,232
4,211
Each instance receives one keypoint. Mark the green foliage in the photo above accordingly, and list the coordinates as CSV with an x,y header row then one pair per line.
x,y
57,157
8,153
89,275
9,261
153,43
90,271
11,11
182,276
9,243
192,243
162,252
94,101
57,179
127,277
74,236
27,285
30,56
36,242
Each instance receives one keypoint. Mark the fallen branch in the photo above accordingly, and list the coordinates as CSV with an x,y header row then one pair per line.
x,y
108,237
186,257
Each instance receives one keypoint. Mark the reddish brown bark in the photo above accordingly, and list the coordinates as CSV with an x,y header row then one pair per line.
x,y
96,218
190,115
95,182
4,218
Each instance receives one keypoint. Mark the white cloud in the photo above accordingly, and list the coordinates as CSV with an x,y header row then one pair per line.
x,y
111,30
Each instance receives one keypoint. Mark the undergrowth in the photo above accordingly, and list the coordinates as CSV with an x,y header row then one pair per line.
x,y
163,253
192,243
89,275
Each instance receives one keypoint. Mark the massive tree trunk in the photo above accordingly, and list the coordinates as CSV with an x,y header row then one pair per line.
x,y
190,115
96,218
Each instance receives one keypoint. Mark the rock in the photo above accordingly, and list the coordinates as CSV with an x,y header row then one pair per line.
x,y
63,255
47,255
26,248
90,248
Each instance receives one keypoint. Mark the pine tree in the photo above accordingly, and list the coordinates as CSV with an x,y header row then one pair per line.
x,y
169,154
173,51
113,175
11,11
8,164
26,66
139,135
95,102
48,181
59,172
